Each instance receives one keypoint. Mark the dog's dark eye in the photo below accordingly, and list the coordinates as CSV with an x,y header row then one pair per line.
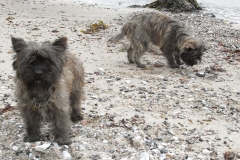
x,y
49,61
189,49
32,58
25,60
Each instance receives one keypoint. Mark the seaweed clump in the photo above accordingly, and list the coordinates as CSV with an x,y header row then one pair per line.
x,y
95,27
176,5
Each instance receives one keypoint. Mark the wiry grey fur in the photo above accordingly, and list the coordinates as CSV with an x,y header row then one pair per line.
x,y
172,38
49,86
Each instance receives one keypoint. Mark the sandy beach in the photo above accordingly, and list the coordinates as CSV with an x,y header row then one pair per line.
x,y
158,113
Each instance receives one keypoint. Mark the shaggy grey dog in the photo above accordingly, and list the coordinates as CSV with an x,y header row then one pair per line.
x,y
169,35
49,86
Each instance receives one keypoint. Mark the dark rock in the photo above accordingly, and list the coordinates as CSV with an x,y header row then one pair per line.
x,y
163,151
176,5
210,15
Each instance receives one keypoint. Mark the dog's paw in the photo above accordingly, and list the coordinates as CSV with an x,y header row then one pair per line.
x,y
131,61
63,140
141,65
31,138
76,118
180,63
175,66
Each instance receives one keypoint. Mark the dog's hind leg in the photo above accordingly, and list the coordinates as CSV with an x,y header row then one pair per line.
x,y
130,54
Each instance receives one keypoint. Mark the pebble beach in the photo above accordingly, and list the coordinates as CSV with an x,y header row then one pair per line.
x,y
157,113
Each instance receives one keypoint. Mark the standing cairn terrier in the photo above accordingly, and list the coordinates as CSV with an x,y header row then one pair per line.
x,y
49,86
172,38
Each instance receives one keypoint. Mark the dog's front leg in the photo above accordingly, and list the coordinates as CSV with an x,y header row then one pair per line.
x,y
60,126
32,120
169,54
177,58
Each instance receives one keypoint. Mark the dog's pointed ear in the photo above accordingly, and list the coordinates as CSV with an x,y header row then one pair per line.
x,y
18,44
60,43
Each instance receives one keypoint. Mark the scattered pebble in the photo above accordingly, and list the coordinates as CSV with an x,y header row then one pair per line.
x,y
43,147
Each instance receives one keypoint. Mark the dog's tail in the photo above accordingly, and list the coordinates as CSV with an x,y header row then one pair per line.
x,y
121,35
116,38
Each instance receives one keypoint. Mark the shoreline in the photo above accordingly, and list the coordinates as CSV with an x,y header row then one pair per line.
x,y
129,113
206,10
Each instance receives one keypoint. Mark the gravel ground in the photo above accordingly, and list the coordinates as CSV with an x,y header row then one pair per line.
x,y
130,113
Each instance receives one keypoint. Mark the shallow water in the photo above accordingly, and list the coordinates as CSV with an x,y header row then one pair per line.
x,y
114,3
226,9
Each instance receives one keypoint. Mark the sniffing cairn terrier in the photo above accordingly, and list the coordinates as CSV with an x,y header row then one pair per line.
x,y
172,38
49,86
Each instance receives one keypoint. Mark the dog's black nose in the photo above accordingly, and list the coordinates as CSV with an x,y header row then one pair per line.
x,y
38,72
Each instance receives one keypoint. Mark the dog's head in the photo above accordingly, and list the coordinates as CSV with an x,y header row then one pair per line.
x,y
39,64
191,52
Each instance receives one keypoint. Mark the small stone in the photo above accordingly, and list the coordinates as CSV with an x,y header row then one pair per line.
x,y
135,128
210,15
57,152
30,155
191,140
109,80
175,138
144,82
163,150
118,78
66,146
144,156
27,144
171,132
43,147
229,155
206,152
66,155
162,156
128,81
138,142
136,115
155,151
95,157
101,69
105,141
200,157
109,123
83,131
159,138
183,147
81,147
233,129
15,148
165,79
103,99
218,138
200,74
